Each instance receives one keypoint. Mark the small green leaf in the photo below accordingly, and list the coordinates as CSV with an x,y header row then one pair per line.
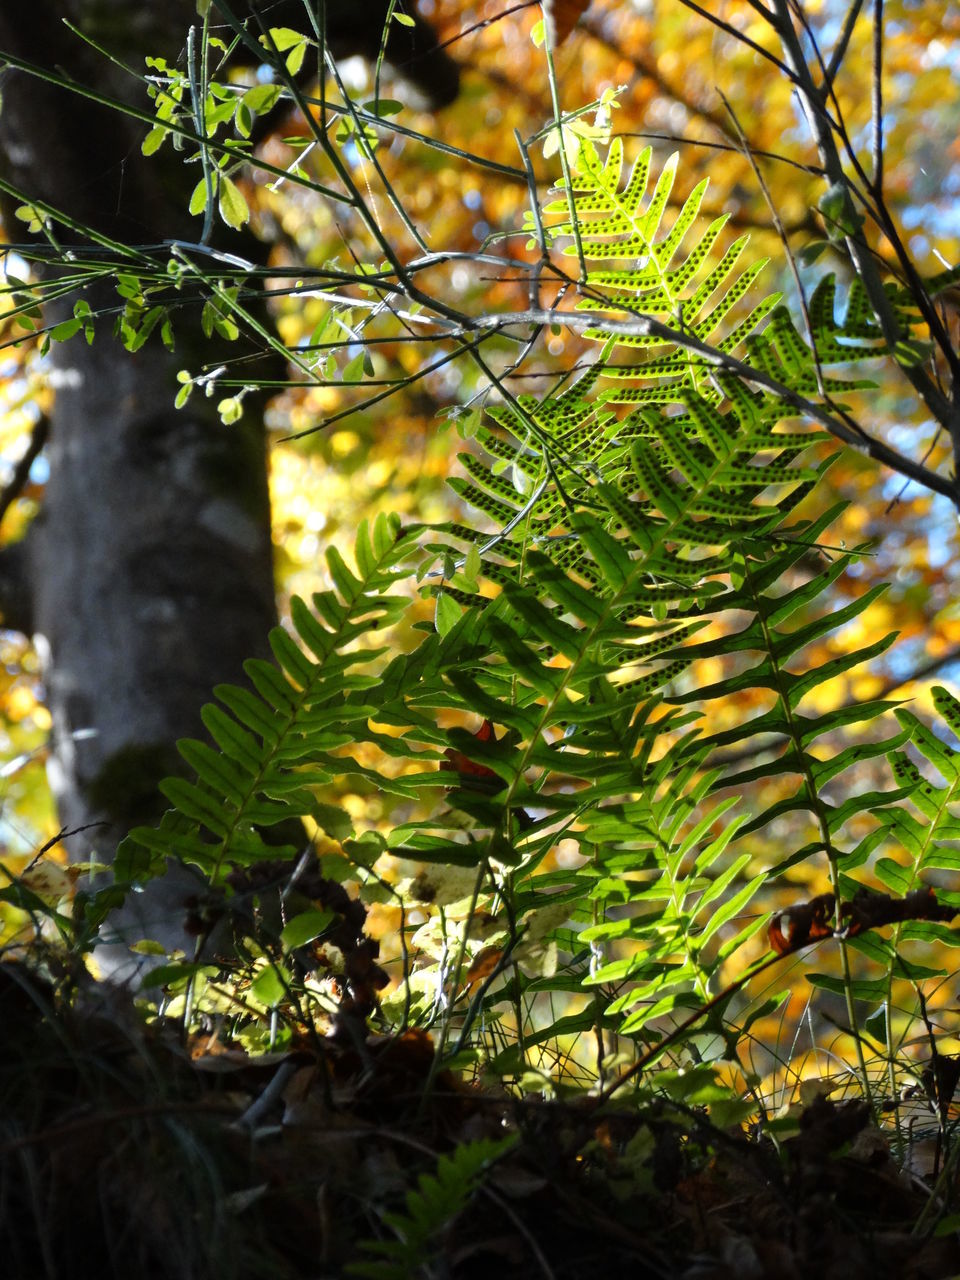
x,y
336,822
129,287
305,928
154,140
198,198
870,989
31,216
230,410
385,107
295,58
469,424
403,18
471,566
812,251
448,613
261,98
148,947
233,206
839,212
876,1024
728,1112
66,329
282,38
832,201
366,850
270,986
243,119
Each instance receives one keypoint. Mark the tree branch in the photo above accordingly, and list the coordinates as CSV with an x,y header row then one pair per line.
x,y
859,252
21,472
840,48
646,326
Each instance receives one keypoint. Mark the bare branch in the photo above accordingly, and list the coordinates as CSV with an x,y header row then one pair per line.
x,y
878,98
646,326
21,472
741,37
778,223
840,48
939,405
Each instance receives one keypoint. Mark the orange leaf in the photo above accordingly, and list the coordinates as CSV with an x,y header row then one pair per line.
x,y
800,925
562,16
460,763
484,963
810,921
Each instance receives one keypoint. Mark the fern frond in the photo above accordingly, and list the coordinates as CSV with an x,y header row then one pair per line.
x,y
928,835
671,278
641,558
430,1207
274,740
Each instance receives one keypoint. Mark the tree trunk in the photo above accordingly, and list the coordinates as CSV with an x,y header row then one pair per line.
x,y
147,577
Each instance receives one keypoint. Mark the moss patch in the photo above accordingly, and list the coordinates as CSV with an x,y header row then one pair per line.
x,y
126,788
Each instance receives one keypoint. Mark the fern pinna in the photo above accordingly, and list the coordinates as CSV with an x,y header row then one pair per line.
x,y
641,528
275,739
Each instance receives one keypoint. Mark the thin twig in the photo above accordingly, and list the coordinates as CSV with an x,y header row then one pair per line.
x,y
778,224
21,472
645,326
646,66
840,48
65,833
741,38
878,98
198,95
813,169
861,259
265,1100
927,455
484,23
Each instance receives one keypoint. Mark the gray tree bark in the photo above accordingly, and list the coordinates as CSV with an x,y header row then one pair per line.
x,y
147,577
